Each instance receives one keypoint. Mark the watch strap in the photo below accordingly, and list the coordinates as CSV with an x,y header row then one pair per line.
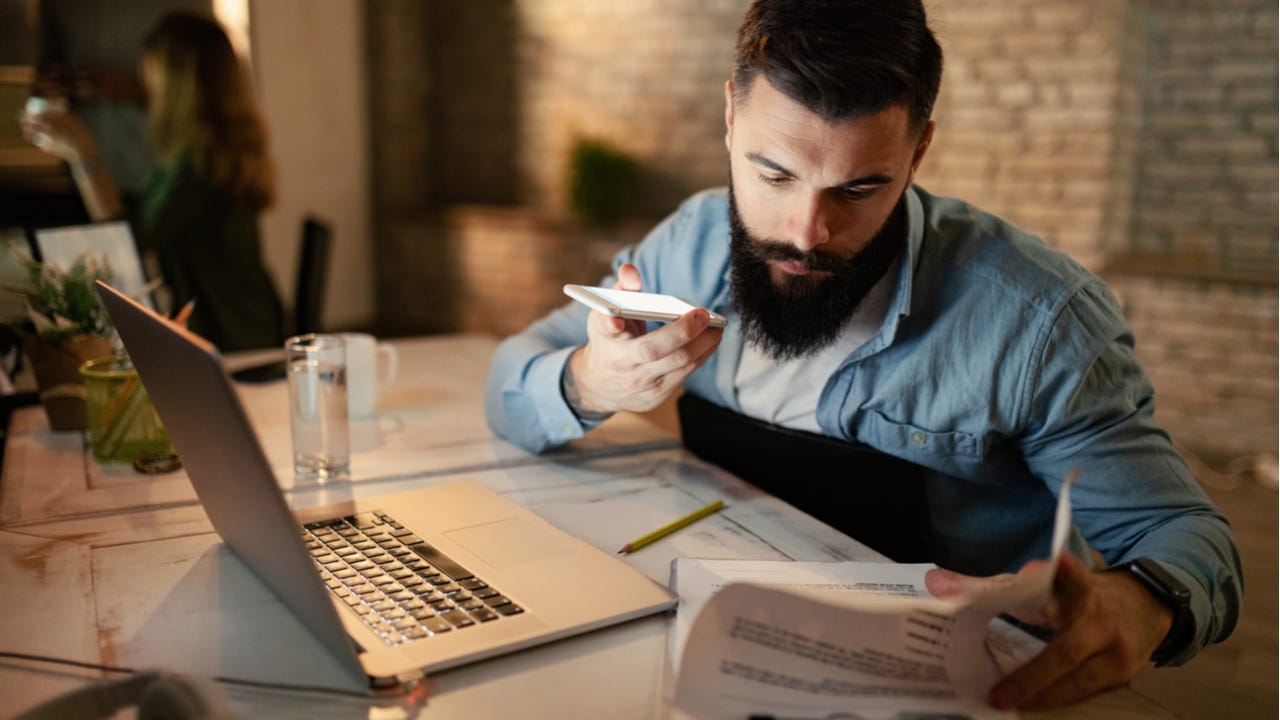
x,y
1173,594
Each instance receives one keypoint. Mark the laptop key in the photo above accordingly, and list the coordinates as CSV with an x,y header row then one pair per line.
x,y
496,600
473,584
509,609
436,625
442,562
415,633
458,618
422,614
484,614
405,624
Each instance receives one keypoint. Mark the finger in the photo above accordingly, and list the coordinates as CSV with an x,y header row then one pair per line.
x,y
697,353
1067,652
628,278
666,347
606,326
705,344
1101,672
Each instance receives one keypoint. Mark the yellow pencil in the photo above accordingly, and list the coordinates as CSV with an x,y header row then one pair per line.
x,y
666,530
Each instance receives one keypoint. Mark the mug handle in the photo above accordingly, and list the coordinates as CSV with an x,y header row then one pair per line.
x,y
393,364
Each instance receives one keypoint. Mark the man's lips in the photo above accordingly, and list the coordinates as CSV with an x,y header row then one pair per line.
x,y
794,267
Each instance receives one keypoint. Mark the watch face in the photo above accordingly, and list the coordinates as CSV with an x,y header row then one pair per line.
x,y
1161,583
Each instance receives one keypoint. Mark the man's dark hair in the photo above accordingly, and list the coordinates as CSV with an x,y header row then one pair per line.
x,y
841,59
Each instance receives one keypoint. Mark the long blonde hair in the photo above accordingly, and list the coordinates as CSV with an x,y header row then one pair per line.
x,y
202,105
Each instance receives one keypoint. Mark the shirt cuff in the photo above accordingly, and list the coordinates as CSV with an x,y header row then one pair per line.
x,y
559,423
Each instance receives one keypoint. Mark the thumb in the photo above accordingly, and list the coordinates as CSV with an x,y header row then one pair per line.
x,y
628,278
945,583
1072,584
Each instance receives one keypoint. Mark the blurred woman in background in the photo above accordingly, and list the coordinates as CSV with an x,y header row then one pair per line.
x,y
199,213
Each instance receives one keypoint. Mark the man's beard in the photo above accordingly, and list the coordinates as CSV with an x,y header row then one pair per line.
x,y
804,313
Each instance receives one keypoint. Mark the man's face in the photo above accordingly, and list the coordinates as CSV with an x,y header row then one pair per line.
x,y
811,211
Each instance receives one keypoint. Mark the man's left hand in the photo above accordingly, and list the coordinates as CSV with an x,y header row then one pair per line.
x,y
1106,625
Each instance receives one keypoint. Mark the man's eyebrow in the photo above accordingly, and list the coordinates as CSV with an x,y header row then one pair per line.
x,y
759,159
862,182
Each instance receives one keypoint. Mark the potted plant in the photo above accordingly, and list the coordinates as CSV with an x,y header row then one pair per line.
x,y
602,182
65,326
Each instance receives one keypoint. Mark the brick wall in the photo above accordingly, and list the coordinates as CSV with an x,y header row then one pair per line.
x,y
1032,116
1210,350
1206,171
1139,137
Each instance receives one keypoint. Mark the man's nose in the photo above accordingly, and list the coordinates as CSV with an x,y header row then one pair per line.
x,y
808,221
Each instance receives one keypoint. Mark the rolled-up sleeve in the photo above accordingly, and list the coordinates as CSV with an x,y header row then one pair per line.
x,y
1090,407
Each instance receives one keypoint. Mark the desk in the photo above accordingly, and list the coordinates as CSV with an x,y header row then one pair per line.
x,y
153,587
430,422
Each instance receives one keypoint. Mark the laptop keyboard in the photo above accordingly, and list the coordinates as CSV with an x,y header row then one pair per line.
x,y
402,587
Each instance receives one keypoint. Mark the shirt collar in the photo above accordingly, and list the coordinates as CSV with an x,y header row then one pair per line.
x,y
900,306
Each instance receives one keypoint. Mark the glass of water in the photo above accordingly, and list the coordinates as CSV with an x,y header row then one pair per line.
x,y
317,370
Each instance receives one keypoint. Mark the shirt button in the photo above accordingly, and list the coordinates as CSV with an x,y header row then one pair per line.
x,y
918,438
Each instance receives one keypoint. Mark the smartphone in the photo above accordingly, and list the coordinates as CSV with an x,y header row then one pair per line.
x,y
635,305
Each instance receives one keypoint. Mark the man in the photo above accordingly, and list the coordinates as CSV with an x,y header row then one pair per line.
x,y
868,310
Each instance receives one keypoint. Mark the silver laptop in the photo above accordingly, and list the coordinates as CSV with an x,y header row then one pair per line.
x,y
395,586
110,241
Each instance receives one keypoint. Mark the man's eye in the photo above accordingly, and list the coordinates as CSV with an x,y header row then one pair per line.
x,y
772,179
854,193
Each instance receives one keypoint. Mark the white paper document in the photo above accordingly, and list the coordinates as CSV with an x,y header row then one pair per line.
x,y
847,640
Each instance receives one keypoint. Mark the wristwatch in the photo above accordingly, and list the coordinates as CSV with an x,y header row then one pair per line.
x,y
1167,589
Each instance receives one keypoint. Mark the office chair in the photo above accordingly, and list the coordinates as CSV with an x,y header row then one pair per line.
x,y
313,270
874,498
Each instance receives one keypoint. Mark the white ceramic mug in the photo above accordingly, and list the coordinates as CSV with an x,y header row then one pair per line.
x,y
366,376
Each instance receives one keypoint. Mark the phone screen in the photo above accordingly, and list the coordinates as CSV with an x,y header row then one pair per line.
x,y
638,305
644,302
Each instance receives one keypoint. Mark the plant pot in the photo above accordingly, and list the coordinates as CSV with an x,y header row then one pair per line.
x,y
57,370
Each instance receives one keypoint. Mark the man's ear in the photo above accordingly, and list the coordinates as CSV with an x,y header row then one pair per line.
x,y
922,146
728,112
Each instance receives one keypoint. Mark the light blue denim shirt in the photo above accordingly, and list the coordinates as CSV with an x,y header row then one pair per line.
x,y
1001,366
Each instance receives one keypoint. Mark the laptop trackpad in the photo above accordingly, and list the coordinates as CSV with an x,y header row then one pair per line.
x,y
512,542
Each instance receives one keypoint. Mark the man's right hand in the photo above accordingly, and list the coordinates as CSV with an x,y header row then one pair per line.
x,y
622,367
